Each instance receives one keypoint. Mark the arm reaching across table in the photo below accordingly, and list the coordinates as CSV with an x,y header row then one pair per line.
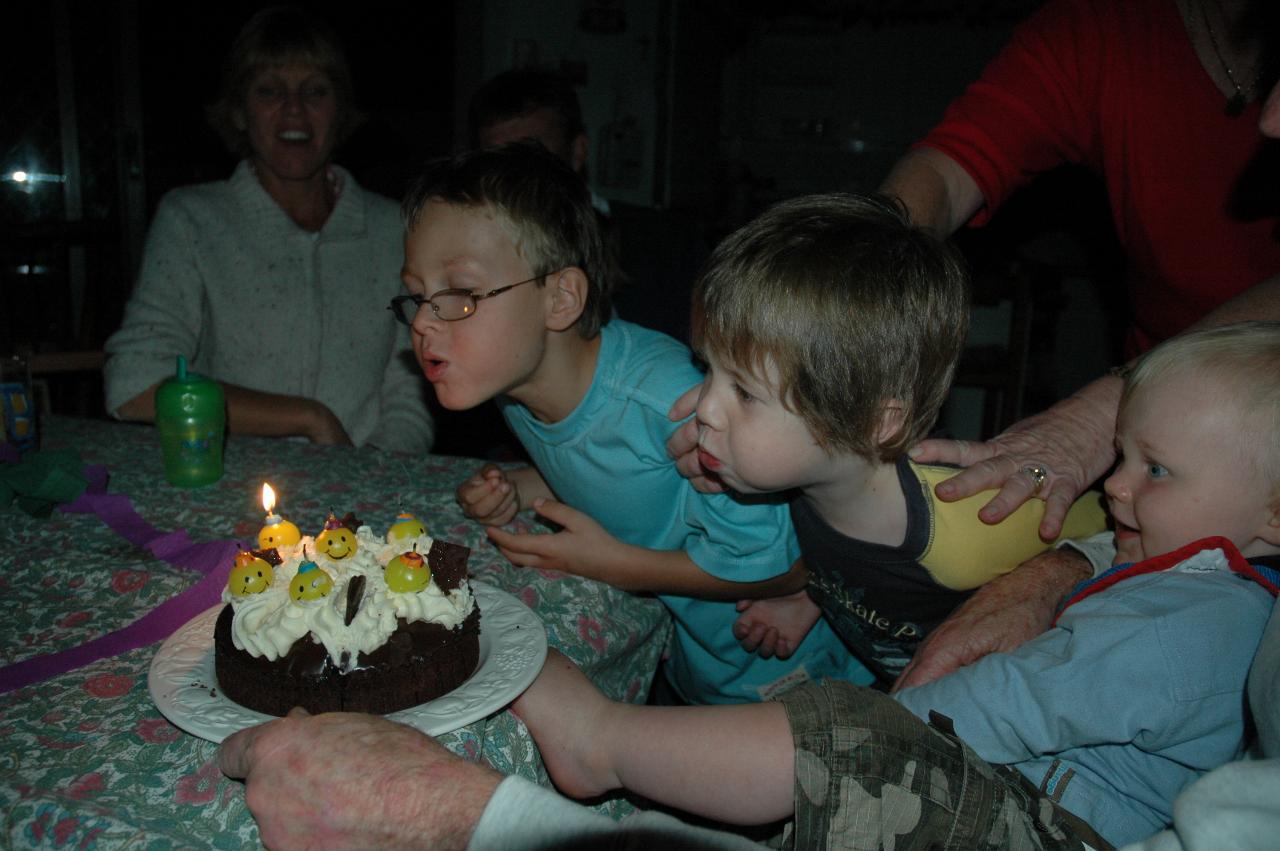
x,y
378,784
257,412
584,548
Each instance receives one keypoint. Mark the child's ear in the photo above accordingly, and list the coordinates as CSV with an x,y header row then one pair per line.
x,y
1271,531
566,297
893,415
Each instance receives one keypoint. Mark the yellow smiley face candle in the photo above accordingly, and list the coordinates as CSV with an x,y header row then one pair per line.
x,y
276,531
310,583
404,527
407,573
249,575
336,541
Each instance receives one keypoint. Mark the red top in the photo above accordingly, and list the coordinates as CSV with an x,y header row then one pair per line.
x,y
1118,87
1264,576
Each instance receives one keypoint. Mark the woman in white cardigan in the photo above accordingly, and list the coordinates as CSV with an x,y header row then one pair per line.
x,y
276,281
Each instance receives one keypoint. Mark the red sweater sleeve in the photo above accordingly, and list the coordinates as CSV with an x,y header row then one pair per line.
x,y
1118,87
1033,108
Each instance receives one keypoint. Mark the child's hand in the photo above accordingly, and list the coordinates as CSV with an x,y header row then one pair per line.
x,y
489,497
683,444
775,626
582,547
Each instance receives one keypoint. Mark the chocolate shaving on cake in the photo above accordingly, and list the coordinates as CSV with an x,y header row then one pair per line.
x,y
448,563
350,521
270,555
355,593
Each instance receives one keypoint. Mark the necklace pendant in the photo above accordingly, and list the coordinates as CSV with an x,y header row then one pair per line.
x,y
1235,105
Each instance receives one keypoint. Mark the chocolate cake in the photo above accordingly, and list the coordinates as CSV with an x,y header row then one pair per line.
x,y
346,657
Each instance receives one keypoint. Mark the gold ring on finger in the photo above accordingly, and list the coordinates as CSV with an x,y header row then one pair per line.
x,y
1038,475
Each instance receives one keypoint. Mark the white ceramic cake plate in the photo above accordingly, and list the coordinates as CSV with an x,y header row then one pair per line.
x,y
513,645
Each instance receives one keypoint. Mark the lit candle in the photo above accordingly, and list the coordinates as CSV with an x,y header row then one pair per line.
x,y
276,531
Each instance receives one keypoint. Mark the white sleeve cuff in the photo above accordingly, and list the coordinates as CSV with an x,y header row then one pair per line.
x,y
1099,549
522,816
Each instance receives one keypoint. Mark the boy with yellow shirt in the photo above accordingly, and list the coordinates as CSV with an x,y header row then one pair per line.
x,y
829,355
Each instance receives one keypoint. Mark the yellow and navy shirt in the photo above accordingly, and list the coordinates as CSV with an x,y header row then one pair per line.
x,y
884,600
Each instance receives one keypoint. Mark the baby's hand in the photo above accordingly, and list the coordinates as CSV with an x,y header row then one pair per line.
x,y
489,497
775,626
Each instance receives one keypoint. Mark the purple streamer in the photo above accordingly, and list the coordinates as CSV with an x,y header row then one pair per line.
x,y
212,559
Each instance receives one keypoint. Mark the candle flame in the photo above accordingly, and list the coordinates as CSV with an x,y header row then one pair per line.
x,y
268,497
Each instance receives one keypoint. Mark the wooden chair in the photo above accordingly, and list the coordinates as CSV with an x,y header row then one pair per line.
x,y
47,363
1001,370
68,382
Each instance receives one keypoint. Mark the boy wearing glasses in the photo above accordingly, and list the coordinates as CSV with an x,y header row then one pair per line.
x,y
509,299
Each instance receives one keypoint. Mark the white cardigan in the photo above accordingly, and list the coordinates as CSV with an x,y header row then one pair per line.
x,y
250,298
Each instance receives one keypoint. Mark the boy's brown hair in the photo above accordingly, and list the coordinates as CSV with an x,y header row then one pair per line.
x,y
543,202
519,92
853,306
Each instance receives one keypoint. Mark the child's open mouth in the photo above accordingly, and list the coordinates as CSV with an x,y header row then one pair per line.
x,y
434,368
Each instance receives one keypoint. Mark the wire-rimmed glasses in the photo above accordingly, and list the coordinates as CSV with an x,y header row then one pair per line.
x,y
449,305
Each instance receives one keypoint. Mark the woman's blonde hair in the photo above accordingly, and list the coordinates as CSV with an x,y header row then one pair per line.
x,y
274,37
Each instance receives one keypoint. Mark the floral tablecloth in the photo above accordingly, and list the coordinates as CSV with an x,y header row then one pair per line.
x,y
86,759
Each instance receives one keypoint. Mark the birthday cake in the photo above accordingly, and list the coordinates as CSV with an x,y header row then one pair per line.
x,y
347,621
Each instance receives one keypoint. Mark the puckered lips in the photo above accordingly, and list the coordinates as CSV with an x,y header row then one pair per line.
x,y
434,367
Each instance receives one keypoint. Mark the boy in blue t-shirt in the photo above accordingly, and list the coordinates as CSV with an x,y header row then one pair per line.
x,y
509,300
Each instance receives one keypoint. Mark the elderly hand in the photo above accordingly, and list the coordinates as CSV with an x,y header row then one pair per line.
x,y
1071,443
683,444
373,784
1000,616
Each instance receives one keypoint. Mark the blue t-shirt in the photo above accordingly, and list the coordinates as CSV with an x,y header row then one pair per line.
x,y
608,459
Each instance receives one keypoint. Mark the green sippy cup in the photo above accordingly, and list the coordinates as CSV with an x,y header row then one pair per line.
x,y
191,415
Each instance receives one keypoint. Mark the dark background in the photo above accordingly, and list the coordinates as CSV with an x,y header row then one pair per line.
x,y
401,59
113,95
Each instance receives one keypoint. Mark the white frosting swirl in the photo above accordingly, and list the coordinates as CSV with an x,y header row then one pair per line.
x,y
267,624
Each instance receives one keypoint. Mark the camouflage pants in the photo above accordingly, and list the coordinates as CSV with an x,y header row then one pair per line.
x,y
871,775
